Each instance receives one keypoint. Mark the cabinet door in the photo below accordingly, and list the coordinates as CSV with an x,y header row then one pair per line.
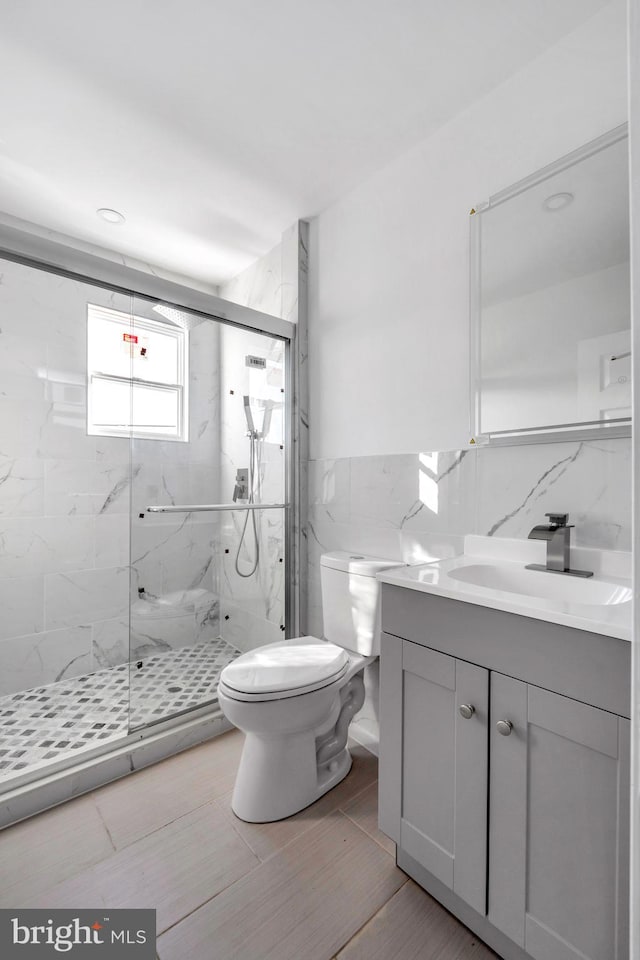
x,y
434,764
558,835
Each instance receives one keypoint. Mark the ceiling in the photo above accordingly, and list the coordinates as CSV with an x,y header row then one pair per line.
x,y
212,125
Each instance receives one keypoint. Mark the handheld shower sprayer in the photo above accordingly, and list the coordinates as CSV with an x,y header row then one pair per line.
x,y
251,489
247,412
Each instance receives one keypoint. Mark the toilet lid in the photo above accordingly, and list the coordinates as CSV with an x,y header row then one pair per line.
x,y
279,667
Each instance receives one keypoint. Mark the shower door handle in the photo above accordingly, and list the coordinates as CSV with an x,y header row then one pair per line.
x,y
213,507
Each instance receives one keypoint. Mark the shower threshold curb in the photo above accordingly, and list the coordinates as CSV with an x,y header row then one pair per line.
x,y
128,754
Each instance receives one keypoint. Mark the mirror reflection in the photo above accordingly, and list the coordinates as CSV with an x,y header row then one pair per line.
x,y
553,348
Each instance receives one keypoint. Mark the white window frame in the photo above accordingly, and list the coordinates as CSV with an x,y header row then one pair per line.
x,y
129,323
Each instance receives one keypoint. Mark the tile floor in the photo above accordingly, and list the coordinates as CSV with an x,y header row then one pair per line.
x,y
46,724
318,886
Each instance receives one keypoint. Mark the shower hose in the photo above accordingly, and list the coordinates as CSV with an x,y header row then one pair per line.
x,y
254,471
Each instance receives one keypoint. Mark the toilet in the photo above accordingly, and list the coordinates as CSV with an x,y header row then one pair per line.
x,y
294,700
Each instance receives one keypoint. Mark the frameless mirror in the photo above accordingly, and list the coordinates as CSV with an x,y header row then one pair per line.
x,y
550,300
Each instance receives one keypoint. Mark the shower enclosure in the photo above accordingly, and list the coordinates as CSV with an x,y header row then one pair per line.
x,y
144,507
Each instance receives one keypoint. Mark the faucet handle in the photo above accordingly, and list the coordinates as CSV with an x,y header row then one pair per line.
x,y
559,519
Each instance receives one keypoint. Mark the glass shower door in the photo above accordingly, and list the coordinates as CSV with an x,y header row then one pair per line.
x,y
208,523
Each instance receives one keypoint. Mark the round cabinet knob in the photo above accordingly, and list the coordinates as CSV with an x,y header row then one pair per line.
x,y
466,710
504,727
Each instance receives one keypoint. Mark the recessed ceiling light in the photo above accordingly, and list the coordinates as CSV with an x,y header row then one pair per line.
x,y
557,201
111,216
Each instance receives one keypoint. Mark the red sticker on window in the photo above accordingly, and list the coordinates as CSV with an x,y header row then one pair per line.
x,y
129,338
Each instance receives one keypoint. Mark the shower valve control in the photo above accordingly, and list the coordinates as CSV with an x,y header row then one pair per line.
x,y
241,489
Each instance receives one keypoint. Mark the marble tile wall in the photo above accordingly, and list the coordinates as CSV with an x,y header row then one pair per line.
x,y
418,507
174,557
253,609
65,496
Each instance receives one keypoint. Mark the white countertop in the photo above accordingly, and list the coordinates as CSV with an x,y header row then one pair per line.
x,y
611,569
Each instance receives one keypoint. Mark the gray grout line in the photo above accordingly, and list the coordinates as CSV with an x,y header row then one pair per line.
x,y
103,821
370,920
366,832
357,795
209,900
274,854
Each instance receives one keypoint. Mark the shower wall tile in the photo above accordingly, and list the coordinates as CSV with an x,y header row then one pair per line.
x,y
67,344
113,449
86,596
20,355
63,433
63,495
261,594
21,487
110,643
20,387
173,551
45,545
22,606
43,658
162,635
112,540
75,487
22,424
244,630
193,564
169,483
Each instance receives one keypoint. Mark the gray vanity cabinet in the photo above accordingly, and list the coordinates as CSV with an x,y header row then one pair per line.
x,y
442,812
522,831
558,840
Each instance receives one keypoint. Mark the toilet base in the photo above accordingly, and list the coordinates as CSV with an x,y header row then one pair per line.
x,y
279,777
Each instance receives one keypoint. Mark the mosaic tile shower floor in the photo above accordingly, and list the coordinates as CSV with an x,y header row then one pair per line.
x,y
46,724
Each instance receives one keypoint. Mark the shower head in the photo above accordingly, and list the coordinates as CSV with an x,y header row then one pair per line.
x,y
247,412
178,318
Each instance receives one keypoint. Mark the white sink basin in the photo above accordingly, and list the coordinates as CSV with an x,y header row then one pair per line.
x,y
512,578
492,572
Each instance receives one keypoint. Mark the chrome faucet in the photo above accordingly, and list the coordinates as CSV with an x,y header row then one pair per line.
x,y
557,533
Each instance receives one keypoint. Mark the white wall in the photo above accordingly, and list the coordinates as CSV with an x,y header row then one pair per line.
x,y
388,310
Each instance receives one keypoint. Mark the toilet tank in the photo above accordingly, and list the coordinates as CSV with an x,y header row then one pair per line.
x,y
351,600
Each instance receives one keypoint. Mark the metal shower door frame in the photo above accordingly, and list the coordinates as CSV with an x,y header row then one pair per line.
x,y
45,254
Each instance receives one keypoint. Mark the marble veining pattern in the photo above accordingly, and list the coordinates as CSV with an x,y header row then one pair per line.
x,y
548,478
417,507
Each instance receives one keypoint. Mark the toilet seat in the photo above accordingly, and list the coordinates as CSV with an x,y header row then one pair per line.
x,y
286,669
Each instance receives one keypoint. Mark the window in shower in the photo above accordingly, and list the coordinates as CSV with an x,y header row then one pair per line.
x,y
137,375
